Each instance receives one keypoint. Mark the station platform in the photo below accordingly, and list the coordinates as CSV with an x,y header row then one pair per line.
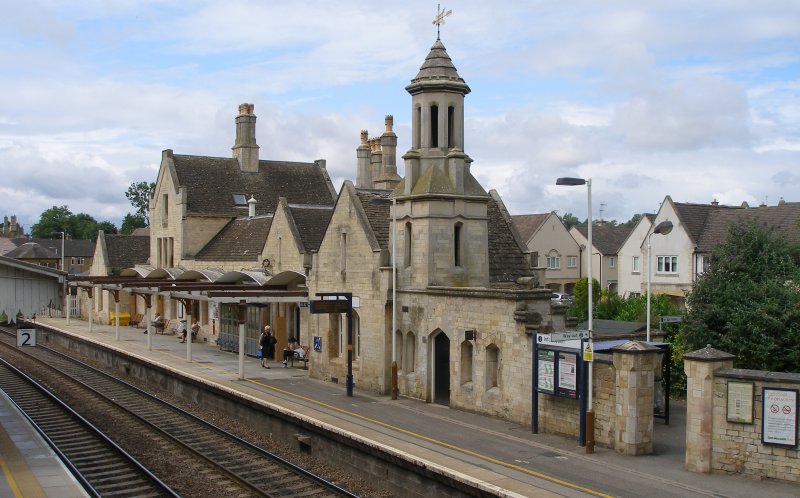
x,y
30,469
498,456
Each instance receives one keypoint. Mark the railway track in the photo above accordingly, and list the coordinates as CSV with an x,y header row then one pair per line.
x,y
102,467
225,462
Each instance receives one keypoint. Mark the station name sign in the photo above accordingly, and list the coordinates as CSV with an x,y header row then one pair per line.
x,y
328,306
562,336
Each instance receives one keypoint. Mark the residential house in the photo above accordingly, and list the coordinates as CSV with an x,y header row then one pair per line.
x,y
77,252
553,248
681,256
114,254
35,253
631,258
606,241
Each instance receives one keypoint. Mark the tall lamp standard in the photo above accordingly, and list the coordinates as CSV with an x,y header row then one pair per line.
x,y
393,202
572,182
662,228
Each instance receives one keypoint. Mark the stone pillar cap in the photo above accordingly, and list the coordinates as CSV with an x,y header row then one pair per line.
x,y
635,347
709,354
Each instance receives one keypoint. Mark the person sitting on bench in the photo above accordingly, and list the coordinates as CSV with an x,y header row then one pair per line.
x,y
293,350
195,329
158,323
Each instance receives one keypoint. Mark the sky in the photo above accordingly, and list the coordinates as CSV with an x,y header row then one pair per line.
x,y
695,100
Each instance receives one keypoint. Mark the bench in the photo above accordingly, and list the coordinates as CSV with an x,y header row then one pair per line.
x,y
304,359
135,321
164,328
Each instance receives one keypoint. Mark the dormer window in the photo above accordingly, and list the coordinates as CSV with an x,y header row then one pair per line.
x,y
239,200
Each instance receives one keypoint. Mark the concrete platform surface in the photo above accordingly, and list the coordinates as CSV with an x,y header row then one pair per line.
x,y
495,452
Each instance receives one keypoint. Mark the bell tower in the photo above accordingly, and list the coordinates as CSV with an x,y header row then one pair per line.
x,y
441,209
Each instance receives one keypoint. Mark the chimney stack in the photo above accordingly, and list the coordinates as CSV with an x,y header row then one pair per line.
x,y
363,173
245,148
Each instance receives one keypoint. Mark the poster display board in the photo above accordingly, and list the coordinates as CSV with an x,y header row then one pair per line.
x,y
779,416
567,374
740,402
547,371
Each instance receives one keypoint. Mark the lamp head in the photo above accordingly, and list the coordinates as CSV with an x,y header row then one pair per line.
x,y
565,180
663,228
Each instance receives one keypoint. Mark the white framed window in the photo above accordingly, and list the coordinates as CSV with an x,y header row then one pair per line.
x,y
667,264
612,262
572,261
635,264
553,262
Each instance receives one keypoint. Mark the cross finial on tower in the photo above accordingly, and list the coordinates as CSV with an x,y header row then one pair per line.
x,y
440,15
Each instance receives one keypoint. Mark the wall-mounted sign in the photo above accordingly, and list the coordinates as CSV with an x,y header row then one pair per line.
x,y
740,402
779,416
567,374
317,343
547,371
26,337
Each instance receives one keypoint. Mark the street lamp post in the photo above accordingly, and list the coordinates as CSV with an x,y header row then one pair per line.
x,y
662,228
589,408
393,201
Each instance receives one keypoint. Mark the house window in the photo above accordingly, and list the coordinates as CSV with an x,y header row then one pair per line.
x,y
80,261
72,261
667,264
164,210
553,262
572,261
612,262
635,264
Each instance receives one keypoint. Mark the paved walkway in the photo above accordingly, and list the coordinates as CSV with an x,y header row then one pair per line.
x,y
500,454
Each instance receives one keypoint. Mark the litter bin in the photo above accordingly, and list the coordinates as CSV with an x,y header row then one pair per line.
x,y
124,318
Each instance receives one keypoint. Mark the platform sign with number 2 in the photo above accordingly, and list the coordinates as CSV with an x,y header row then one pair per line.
x,y
26,337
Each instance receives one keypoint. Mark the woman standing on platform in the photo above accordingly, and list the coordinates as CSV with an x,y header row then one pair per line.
x,y
267,344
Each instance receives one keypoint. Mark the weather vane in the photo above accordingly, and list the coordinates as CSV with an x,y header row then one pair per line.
x,y
440,15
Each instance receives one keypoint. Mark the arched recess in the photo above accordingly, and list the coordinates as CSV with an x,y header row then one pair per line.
x,y
409,352
440,355
466,362
400,349
492,373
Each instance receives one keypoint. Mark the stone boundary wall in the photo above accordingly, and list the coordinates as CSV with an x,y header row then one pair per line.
x,y
737,448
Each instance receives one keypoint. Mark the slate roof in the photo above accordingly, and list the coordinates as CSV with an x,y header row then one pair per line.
x,y
311,223
783,218
6,245
605,238
212,181
438,71
242,239
695,217
507,261
77,248
32,250
126,251
378,215
527,224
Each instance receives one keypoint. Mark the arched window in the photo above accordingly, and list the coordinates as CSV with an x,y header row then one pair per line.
x,y
457,229
492,366
466,362
410,352
407,255
451,120
434,125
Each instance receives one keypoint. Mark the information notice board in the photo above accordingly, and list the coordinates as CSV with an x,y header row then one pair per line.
x,y
779,416
557,373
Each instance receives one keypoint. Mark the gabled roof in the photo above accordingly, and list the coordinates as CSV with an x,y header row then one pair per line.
x,y
311,222
210,183
695,217
242,239
126,251
528,224
378,214
6,245
783,218
606,239
508,260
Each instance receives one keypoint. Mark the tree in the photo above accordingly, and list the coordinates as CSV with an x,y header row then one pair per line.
x,y
580,302
570,220
106,227
55,219
139,195
130,223
633,221
748,303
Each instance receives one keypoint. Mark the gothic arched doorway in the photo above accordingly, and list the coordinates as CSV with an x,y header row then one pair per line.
x,y
441,369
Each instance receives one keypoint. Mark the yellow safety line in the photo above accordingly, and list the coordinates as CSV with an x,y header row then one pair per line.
x,y
11,482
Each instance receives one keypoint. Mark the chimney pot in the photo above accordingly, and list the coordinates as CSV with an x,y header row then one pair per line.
x,y
251,206
364,137
389,120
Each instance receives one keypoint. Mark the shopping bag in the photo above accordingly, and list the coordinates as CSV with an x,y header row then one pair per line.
x,y
258,354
